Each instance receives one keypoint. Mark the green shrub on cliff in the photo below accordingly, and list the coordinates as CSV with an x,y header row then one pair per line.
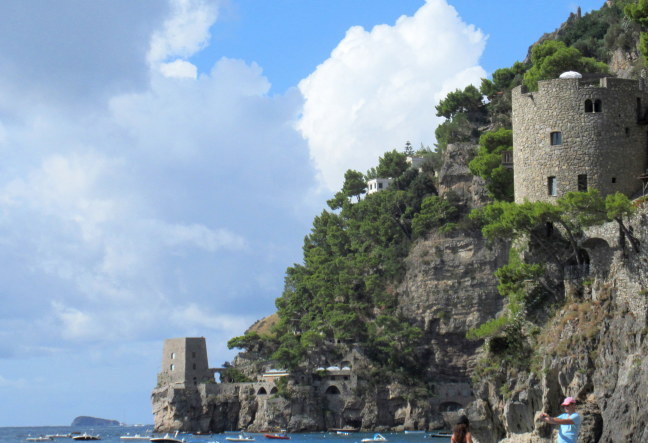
x,y
488,163
527,285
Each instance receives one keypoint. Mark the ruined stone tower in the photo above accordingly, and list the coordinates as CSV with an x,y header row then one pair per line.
x,y
184,362
574,134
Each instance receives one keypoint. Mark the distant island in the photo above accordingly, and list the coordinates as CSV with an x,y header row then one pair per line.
x,y
93,421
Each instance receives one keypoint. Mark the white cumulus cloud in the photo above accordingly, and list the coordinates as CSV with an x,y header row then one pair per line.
x,y
379,88
184,33
179,69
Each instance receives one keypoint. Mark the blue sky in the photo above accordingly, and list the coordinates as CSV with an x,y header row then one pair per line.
x,y
163,160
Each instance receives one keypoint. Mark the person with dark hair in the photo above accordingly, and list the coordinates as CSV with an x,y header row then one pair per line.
x,y
461,431
569,422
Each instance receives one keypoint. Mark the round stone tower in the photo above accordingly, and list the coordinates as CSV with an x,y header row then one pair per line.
x,y
574,134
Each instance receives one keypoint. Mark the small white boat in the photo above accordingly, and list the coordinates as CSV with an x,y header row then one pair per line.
x,y
167,439
241,437
376,437
46,438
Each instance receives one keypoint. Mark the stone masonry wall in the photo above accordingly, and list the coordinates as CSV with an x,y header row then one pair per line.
x,y
610,146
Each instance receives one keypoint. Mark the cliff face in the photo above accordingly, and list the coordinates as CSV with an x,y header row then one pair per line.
x,y
449,286
594,349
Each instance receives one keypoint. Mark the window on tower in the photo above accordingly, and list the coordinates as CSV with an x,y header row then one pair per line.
x,y
552,188
582,183
556,138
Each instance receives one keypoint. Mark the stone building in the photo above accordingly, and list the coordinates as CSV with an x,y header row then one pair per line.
x,y
578,133
184,362
378,184
188,398
382,183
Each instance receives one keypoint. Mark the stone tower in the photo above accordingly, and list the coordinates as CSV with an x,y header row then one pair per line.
x,y
184,362
574,134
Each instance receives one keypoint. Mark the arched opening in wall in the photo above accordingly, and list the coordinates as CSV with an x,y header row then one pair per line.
x,y
549,229
332,390
262,391
195,381
449,406
598,106
274,390
589,107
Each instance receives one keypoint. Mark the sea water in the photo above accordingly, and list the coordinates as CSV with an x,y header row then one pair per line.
x,y
113,434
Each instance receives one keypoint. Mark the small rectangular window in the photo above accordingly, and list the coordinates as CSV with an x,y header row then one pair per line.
x,y
582,183
556,138
551,186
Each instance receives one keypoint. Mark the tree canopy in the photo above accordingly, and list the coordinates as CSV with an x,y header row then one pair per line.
x,y
342,292
488,163
553,57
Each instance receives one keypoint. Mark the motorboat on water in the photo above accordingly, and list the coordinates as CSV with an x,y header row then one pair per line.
x,y
281,436
241,437
85,436
167,439
376,437
343,431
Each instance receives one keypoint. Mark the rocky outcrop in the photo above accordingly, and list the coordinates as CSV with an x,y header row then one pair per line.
x,y
448,288
457,182
594,349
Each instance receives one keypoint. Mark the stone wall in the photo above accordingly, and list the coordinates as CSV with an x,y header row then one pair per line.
x,y
610,147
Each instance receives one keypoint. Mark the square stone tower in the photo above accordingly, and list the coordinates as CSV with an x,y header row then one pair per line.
x,y
184,362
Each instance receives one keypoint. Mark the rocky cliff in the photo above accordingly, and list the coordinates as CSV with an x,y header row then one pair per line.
x,y
448,288
592,348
